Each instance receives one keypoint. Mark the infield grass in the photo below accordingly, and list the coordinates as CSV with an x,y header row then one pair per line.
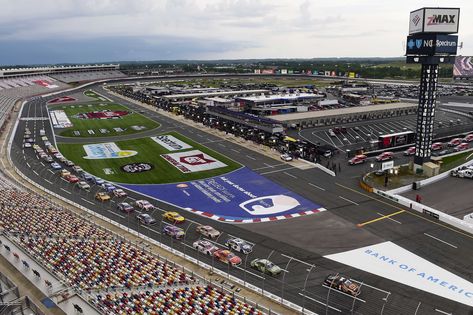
x,y
149,152
84,125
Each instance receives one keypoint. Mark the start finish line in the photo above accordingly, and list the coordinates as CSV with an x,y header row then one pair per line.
x,y
242,196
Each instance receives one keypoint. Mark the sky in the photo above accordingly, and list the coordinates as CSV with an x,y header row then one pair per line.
x,y
85,31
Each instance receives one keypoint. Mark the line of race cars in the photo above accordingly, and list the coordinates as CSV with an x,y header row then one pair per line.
x,y
74,174
463,172
438,148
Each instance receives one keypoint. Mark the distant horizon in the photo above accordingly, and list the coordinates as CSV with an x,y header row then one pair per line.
x,y
180,61
50,32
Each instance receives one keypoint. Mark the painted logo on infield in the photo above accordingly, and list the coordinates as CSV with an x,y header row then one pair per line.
x,y
239,195
171,143
137,167
193,161
107,150
393,262
105,114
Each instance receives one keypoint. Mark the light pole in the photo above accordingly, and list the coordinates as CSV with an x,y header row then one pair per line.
x,y
305,284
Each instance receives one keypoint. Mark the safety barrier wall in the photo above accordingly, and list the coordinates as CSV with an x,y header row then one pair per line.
x,y
254,288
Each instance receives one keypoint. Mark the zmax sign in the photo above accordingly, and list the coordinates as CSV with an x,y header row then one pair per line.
x,y
434,20
431,44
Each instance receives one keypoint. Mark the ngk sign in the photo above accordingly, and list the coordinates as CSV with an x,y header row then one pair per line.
x,y
434,20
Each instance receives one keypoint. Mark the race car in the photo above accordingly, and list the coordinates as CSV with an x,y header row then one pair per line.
x,y
119,193
27,145
77,168
64,173
56,166
286,157
145,218
71,178
108,187
265,266
239,245
144,205
227,257
173,217
204,247
98,180
69,163
86,177
208,231
125,207
83,185
174,231
101,196
343,284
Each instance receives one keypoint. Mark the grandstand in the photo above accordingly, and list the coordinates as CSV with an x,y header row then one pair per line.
x,y
111,274
87,76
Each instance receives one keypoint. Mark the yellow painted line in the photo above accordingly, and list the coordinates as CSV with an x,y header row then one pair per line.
x,y
380,218
409,212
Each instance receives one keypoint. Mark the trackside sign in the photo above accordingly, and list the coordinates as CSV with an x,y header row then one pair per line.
x,y
434,20
393,262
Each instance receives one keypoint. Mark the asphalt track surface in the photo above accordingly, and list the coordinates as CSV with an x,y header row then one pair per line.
x,y
459,202
297,245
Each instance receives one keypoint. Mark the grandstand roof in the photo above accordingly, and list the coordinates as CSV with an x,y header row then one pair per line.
x,y
341,111
54,69
208,94
276,97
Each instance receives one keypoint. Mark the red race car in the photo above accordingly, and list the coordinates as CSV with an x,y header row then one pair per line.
x,y
226,256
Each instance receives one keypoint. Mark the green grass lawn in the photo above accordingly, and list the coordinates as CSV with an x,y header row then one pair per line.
x,y
83,125
92,94
453,161
148,151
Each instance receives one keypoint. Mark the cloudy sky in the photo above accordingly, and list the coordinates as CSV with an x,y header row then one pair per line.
x,y
56,31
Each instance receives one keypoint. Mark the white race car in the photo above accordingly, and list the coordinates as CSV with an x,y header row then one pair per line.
x,y
204,247
286,157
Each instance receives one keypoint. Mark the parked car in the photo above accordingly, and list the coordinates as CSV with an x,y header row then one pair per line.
x,y
286,157
410,151
265,266
385,156
468,138
173,231
205,247
208,231
357,159
173,217
461,147
125,207
454,142
342,284
437,146
146,219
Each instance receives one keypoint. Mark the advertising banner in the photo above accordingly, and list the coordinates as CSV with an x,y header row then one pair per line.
x,y
239,195
109,150
434,20
393,262
193,161
60,119
171,143
431,44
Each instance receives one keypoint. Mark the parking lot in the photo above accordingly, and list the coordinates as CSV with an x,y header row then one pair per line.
x,y
365,134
